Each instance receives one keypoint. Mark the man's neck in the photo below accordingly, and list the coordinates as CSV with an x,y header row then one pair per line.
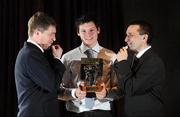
x,y
140,53
30,40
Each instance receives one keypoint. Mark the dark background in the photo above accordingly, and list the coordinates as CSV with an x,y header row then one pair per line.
x,y
114,15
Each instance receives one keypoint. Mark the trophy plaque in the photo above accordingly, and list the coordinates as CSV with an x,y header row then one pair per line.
x,y
91,71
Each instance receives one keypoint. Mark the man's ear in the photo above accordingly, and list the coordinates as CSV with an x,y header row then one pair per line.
x,y
37,32
145,36
77,33
98,30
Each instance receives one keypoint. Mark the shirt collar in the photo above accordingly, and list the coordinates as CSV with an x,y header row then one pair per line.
x,y
33,42
96,48
139,54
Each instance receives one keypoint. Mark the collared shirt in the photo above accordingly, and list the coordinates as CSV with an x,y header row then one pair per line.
x,y
95,49
71,59
33,42
139,54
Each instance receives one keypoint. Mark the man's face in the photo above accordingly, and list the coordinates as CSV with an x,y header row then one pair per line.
x,y
47,37
134,40
88,33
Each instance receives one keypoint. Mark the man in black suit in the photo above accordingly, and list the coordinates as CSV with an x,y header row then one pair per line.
x,y
37,80
140,81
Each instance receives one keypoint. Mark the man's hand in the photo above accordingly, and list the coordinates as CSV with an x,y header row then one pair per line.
x,y
57,51
121,55
79,93
102,93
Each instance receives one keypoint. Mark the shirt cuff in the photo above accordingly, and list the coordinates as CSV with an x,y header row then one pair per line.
x,y
73,93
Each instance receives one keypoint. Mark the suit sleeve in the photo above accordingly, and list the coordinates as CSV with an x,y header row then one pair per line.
x,y
68,83
43,74
148,75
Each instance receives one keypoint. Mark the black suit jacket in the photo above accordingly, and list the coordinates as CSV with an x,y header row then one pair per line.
x,y
142,87
37,82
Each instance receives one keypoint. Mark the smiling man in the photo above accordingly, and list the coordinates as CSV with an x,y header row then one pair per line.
x,y
142,80
76,99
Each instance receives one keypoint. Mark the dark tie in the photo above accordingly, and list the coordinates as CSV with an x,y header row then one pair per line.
x,y
89,100
89,53
134,62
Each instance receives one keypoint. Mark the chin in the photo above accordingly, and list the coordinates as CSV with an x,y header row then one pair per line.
x,y
90,43
46,47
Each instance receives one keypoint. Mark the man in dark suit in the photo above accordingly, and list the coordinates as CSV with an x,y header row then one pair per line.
x,y
141,81
37,80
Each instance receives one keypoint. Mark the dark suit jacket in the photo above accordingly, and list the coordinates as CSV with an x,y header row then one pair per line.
x,y
142,88
37,82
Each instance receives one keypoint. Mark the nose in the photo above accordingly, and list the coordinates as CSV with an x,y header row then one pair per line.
x,y
126,39
89,33
54,39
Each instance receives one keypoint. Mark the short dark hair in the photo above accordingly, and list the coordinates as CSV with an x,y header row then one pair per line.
x,y
40,21
85,19
144,28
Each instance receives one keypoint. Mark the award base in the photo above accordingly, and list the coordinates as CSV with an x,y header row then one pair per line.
x,y
95,88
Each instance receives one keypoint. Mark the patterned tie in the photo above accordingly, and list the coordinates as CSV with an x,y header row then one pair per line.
x,y
89,100
89,53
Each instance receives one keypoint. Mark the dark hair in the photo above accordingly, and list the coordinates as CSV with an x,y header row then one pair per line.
x,y
144,28
39,21
85,19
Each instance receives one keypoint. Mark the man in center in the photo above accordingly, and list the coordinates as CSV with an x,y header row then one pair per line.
x,y
77,100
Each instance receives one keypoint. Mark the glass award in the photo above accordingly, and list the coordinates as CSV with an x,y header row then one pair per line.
x,y
91,72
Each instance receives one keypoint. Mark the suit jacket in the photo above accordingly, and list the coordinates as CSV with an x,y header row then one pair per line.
x,y
37,82
142,86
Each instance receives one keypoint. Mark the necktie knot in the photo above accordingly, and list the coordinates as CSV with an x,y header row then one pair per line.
x,y
89,53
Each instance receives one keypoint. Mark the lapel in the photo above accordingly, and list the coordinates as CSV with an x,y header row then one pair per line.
x,y
142,59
